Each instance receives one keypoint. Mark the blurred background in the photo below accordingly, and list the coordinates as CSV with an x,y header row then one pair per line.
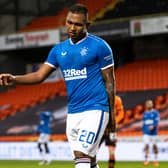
x,y
137,31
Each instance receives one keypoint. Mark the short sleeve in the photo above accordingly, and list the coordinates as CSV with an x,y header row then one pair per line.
x,y
52,58
105,55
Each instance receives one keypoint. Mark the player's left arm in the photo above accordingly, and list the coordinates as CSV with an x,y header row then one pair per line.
x,y
109,79
106,62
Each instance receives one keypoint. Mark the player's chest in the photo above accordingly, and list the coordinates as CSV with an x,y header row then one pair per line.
x,y
149,116
73,56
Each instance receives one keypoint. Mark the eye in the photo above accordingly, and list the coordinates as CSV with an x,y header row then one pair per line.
x,y
69,22
78,24
75,24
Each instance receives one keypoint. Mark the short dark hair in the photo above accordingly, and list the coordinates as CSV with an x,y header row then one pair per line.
x,y
79,8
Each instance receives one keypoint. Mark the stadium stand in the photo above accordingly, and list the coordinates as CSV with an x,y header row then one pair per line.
x,y
98,10
57,21
46,22
22,125
151,72
147,72
138,112
142,75
137,80
133,120
161,101
129,117
129,8
23,97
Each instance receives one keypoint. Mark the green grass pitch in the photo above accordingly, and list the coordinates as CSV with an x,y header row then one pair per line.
x,y
67,164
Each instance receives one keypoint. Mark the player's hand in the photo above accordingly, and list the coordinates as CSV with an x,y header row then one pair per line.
x,y
113,136
7,79
150,127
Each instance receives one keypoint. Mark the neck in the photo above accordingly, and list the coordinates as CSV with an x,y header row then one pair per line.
x,y
75,40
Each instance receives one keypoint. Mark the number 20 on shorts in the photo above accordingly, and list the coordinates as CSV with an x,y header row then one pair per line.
x,y
87,136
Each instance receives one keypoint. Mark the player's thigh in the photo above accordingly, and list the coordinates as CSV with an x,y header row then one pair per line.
x,y
85,130
154,139
146,139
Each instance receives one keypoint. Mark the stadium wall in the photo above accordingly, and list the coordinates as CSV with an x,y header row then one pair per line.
x,y
61,151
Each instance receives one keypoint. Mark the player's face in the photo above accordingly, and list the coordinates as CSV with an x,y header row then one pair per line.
x,y
149,104
76,25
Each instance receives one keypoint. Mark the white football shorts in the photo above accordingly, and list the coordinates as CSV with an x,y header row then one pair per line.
x,y
43,138
150,139
85,130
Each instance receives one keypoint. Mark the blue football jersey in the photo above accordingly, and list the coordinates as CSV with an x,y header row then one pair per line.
x,y
44,126
81,64
150,118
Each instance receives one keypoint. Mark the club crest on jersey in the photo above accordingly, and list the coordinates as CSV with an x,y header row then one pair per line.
x,y
73,74
84,51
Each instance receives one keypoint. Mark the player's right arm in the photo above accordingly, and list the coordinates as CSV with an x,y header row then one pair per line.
x,y
30,78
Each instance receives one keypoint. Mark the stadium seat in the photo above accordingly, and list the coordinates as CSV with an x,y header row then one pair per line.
x,y
129,117
142,75
57,21
166,99
23,97
159,102
138,110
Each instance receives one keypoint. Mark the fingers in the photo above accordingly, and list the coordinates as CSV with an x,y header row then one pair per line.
x,y
6,79
1,79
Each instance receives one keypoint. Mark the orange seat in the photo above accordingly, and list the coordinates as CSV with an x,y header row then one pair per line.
x,y
57,21
159,102
23,97
142,75
138,110
129,117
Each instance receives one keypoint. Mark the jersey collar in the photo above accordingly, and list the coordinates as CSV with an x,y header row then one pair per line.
x,y
80,41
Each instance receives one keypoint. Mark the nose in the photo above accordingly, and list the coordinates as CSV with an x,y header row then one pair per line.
x,y
72,27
